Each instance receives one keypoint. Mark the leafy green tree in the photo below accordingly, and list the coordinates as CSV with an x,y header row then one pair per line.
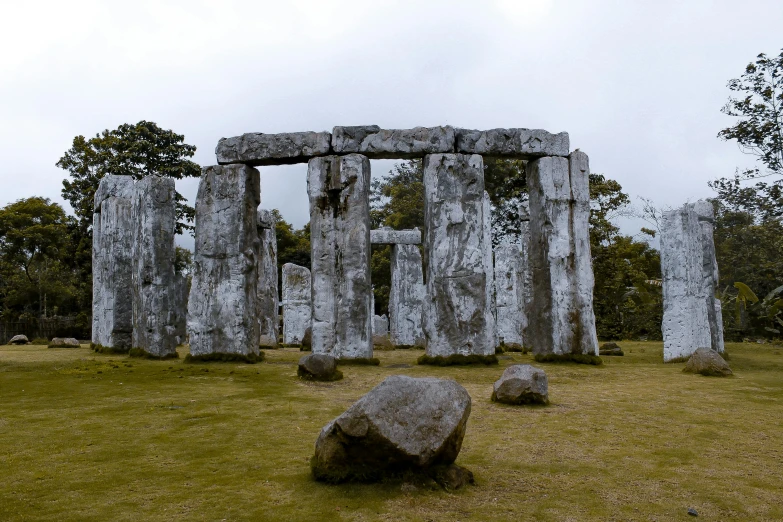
x,y
136,150
34,240
759,132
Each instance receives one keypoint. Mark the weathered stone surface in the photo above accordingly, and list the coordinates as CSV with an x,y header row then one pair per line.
x,y
154,284
318,367
457,319
406,296
339,191
525,281
610,350
691,314
381,342
522,384
64,342
489,266
388,236
307,340
112,295
377,143
403,423
297,303
512,143
706,361
222,314
508,295
256,148
268,303
182,292
380,325
562,323
19,339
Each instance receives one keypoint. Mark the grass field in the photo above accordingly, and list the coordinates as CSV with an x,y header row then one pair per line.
x,y
104,438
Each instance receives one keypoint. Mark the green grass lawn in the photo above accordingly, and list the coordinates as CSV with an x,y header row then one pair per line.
x,y
105,438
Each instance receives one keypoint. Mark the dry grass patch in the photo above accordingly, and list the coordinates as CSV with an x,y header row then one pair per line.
x,y
85,436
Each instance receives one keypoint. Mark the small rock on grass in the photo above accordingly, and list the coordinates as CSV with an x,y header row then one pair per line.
x,y
706,361
318,367
19,339
522,384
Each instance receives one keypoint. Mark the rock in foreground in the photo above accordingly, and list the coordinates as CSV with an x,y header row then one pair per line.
x,y
64,342
19,339
319,367
522,384
403,424
707,362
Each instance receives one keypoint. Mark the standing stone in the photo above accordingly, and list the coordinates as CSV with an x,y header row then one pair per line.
x,y
489,267
508,295
268,304
339,191
182,290
297,303
154,283
112,297
457,318
562,323
222,314
380,325
525,275
406,296
691,313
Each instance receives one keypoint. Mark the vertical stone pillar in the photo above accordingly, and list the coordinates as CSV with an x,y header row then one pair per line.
x,y
489,266
183,289
562,323
154,283
112,298
508,295
525,275
222,314
339,191
691,313
406,296
457,318
268,303
297,304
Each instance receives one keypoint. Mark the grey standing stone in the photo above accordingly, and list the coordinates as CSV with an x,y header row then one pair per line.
x,y
406,296
112,295
561,317
508,295
182,291
512,143
380,325
268,302
388,236
489,264
258,149
297,303
377,143
691,313
222,314
457,318
402,424
525,274
339,191
154,283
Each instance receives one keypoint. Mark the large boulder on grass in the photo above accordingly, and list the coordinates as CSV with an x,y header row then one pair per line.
x,y
64,342
707,362
403,424
319,367
19,339
522,384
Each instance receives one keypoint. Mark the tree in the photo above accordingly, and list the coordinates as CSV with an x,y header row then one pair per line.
x,y
136,150
34,239
758,133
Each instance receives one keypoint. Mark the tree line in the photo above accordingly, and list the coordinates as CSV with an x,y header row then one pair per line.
x,y
46,254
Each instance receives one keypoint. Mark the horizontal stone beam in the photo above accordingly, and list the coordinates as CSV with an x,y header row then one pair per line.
x,y
387,236
377,143
258,149
512,143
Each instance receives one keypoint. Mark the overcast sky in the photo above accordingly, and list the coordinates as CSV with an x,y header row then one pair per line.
x,y
637,84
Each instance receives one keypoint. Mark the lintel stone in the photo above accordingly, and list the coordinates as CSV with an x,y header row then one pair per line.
x,y
512,143
377,143
387,236
259,149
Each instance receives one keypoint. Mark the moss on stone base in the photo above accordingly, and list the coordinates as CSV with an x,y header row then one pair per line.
x,y
447,476
458,360
579,358
225,357
359,361
307,376
108,350
677,360
141,353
